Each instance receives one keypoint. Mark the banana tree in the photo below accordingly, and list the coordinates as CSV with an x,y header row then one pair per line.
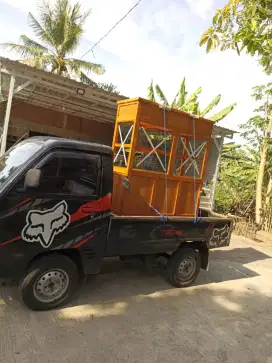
x,y
235,191
190,103
228,149
246,167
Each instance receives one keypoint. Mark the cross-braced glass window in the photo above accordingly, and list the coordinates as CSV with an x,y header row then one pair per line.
x,y
152,150
122,147
189,157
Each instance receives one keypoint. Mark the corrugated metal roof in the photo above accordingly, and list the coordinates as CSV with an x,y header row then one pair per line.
x,y
59,93
222,131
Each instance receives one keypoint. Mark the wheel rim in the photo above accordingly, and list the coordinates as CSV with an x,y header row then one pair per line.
x,y
187,268
51,285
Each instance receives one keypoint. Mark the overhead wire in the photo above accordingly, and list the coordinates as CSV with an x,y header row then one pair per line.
x,y
115,25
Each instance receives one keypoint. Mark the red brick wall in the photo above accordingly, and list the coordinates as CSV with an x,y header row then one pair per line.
x,y
26,117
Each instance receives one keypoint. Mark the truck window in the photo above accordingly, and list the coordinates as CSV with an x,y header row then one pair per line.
x,y
70,174
16,157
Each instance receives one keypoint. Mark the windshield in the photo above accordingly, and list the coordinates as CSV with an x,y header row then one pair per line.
x,y
17,157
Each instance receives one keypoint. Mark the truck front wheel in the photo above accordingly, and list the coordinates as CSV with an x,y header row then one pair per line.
x,y
183,267
49,282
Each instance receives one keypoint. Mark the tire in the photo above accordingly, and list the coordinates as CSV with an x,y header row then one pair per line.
x,y
178,265
48,273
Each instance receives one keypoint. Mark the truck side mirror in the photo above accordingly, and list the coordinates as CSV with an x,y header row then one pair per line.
x,y
32,178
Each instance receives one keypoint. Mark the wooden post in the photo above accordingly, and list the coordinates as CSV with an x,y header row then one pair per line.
x,y
7,116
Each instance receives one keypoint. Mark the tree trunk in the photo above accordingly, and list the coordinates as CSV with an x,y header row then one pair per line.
x,y
259,184
261,172
269,192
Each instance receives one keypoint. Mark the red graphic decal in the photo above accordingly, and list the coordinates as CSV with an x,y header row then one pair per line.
x,y
11,240
171,232
83,241
21,203
87,209
211,228
106,201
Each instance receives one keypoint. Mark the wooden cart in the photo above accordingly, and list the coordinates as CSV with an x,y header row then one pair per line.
x,y
159,160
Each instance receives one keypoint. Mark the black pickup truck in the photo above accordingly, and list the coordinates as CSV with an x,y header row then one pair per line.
x,y
56,225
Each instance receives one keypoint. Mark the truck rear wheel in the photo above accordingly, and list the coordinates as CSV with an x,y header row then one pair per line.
x,y
49,282
183,267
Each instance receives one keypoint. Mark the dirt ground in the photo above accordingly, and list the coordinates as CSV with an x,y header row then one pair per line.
x,y
126,315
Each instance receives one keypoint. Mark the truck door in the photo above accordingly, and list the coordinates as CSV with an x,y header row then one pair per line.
x,y
64,211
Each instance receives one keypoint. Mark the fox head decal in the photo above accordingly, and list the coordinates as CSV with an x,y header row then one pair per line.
x,y
220,236
43,226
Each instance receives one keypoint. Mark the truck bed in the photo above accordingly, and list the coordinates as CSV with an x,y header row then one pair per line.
x,y
144,235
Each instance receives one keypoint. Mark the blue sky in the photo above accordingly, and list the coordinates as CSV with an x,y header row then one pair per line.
x,y
159,41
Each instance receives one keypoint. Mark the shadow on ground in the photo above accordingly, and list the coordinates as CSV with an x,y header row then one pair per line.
x,y
241,255
226,265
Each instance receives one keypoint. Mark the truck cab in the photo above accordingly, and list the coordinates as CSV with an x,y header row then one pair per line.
x,y
52,192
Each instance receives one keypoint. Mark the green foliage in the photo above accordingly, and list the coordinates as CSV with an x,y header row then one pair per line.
x,y
58,31
228,149
161,95
236,188
223,113
237,180
243,25
150,92
254,130
236,185
211,106
190,103
109,87
182,94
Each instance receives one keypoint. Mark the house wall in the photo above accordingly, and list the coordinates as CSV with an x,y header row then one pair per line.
x,y
26,117
211,174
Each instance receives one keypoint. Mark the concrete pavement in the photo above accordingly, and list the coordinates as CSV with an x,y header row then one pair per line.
x,y
125,315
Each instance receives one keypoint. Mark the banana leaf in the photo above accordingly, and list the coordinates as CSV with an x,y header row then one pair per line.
x,y
223,113
192,99
182,94
211,106
150,92
161,95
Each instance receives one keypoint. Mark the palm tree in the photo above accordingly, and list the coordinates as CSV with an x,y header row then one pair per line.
x,y
186,103
59,31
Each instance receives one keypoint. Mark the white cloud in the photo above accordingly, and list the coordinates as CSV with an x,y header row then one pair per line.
x,y
202,8
25,5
